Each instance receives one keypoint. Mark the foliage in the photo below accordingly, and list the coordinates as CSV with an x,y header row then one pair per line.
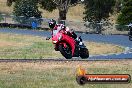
x,y
1,17
26,9
118,6
9,2
96,10
121,28
125,17
50,5
61,5
47,5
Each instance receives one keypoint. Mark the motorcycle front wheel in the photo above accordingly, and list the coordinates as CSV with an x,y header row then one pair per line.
x,y
66,52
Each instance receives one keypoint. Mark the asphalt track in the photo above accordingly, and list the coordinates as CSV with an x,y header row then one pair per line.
x,y
121,40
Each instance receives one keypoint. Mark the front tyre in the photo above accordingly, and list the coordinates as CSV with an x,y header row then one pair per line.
x,y
66,52
84,53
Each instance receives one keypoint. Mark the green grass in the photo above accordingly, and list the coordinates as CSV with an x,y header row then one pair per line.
x,y
58,74
22,47
14,46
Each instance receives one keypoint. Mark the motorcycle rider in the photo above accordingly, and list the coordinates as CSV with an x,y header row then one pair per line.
x,y
54,26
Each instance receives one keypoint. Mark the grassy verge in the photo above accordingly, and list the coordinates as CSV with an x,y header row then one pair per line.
x,y
59,74
34,47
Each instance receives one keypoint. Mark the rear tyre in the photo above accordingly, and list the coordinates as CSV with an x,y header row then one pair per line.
x,y
66,52
130,38
84,53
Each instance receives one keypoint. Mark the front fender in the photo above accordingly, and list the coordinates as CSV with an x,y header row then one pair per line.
x,y
69,40
64,43
65,40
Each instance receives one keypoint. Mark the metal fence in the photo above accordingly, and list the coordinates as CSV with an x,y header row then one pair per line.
x,y
104,27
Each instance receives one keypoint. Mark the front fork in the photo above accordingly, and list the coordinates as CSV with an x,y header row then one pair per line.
x,y
65,46
56,46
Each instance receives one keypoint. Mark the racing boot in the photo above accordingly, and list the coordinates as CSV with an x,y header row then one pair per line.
x,y
79,39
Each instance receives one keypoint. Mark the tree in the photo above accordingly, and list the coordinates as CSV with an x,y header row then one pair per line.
x,y
50,5
118,5
96,10
26,9
1,17
61,5
125,16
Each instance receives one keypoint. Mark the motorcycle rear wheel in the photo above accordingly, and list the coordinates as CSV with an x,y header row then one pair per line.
x,y
66,52
130,38
84,53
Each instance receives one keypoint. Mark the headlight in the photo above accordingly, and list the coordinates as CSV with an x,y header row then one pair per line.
x,y
54,41
60,37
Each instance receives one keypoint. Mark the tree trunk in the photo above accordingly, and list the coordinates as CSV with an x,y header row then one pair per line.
x,y
98,28
62,16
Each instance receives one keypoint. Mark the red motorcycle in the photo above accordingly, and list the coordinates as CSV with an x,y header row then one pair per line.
x,y
67,46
